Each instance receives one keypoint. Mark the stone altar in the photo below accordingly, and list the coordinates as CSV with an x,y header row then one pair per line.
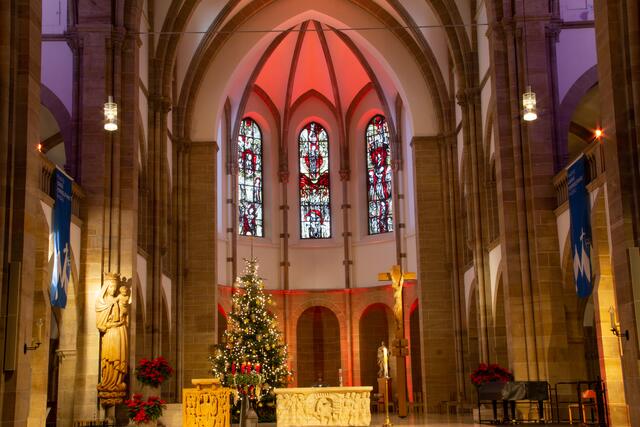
x,y
323,406
206,405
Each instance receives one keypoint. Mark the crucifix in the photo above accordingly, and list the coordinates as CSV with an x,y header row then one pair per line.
x,y
399,348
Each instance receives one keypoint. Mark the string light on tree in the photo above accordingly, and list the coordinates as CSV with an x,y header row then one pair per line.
x,y
252,338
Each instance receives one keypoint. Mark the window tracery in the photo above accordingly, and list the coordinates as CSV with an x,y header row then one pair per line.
x,y
379,177
314,185
250,208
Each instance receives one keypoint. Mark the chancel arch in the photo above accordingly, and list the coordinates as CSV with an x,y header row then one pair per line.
x,y
318,347
376,325
222,324
415,345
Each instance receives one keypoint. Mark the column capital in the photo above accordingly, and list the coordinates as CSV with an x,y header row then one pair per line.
x,y
428,139
466,96
160,103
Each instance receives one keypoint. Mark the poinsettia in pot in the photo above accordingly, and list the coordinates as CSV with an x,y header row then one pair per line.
x,y
153,372
145,412
490,373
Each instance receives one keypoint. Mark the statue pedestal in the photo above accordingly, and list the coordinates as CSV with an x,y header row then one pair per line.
x,y
323,406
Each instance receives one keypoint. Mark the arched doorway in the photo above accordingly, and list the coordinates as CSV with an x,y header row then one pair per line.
x,y
140,329
318,347
222,323
416,354
374,328
500,347
581,333
168,387
472,356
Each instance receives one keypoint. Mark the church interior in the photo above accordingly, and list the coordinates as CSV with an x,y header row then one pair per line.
x,y
449,186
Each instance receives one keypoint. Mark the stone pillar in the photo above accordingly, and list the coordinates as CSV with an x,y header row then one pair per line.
x,y
434,273
469,101
618,44
19,205
199,296
107,171
524,171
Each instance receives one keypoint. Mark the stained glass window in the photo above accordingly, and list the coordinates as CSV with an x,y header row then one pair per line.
x,y
315,197
250,220
379,176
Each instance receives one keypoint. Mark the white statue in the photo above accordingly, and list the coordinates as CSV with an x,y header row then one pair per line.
x,y
383,361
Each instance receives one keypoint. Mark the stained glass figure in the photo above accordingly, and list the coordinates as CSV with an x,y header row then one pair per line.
x,y
250,219
315,197
379,176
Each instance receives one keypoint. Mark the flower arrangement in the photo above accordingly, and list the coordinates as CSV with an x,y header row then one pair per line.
x,y
144,411
153,372
490,373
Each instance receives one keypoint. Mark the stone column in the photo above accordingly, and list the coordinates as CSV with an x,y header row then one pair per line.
x,y
199,293
107,171
19,202
618,44
434,274
524,172
469,101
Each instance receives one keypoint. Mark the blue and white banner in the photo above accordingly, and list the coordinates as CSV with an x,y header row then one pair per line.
x,y
61,187
579,212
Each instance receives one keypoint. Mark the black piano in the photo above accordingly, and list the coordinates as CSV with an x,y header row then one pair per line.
x,y
509,393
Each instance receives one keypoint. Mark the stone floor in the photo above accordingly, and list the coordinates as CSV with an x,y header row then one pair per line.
x,y
432,420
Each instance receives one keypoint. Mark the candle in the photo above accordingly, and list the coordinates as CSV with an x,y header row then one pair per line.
x,y
257,366
233,368
612,316
40,324
385,358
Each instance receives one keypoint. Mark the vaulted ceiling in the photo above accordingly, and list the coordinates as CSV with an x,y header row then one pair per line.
x,y
312,59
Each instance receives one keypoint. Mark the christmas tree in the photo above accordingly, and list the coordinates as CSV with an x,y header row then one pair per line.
x,y
252,357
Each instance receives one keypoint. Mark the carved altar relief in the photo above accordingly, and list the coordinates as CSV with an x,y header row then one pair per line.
x,y
207,405
327,406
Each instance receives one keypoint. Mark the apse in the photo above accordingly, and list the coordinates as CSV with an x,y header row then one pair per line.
x,y
307,184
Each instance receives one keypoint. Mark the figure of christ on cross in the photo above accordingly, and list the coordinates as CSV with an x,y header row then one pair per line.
x,y
399,348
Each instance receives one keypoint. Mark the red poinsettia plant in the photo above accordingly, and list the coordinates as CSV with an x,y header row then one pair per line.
x,y
490,373
153,372
144,411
